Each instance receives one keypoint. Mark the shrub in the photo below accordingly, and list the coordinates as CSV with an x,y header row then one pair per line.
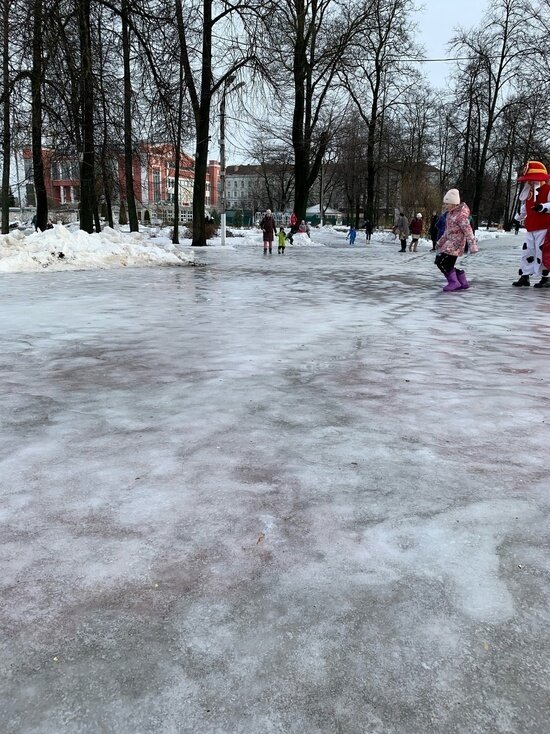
x,y
122,216
146,217
210,227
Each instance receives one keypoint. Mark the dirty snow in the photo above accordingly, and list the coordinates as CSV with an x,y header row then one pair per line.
x,y
63,248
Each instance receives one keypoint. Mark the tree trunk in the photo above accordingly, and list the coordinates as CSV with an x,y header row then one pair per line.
x,y
128,148
36,118
87,177
371,143
199,185
203,130
6,132
300,145
176,232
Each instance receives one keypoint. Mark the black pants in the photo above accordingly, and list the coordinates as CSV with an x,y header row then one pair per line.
x,y
445,262
404,244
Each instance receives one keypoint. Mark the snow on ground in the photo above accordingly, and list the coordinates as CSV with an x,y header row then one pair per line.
x,y
69,248
63,248
300,494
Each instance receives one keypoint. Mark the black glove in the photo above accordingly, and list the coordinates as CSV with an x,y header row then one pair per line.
x,y
537,208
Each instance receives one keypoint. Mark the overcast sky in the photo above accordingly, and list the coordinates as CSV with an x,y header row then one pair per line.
x,y
436,23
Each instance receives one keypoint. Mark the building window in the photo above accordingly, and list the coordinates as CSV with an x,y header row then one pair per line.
x,y
156,185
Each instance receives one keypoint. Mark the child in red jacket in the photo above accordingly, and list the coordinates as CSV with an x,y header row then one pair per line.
x,y
416,230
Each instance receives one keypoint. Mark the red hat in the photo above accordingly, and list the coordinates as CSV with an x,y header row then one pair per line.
x,y
534,171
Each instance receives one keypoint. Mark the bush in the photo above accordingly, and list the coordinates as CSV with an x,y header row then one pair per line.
x,y
122,216
146,217
211,230
238,219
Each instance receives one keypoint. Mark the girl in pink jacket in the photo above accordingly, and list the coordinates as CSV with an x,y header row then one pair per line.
x,y
458,234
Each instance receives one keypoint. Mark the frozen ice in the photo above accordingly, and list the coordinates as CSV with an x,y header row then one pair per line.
x,y
303,494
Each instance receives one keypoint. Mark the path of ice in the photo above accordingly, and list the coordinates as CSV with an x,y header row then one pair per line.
x,y
302,494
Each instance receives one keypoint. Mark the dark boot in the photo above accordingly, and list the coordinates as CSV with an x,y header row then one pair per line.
x,y
522,280
461,275
544,282
452,282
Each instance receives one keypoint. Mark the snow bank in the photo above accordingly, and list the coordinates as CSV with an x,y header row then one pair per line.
x,y
62,249
254,237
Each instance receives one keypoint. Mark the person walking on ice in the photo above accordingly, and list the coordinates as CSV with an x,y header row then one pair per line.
x,y
533,214
352,234
281,241
268,226
368,229
451,246
402,230
416,230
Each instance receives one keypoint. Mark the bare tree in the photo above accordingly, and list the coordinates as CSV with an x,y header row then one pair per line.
x,y
495,49
215,45
375,77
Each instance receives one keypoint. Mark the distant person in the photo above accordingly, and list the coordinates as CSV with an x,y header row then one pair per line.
x,y
516,227
433,231
268,227
352,234
34,223
402,231
293,227
368,229
281,241
416,227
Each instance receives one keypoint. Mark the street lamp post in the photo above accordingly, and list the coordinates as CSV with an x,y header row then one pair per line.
x,y
223,201
321,222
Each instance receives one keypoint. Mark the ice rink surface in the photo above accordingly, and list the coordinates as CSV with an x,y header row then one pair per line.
x,y
303,494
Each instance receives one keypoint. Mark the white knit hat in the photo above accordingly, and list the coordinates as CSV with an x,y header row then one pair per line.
x,y
452,197
419,216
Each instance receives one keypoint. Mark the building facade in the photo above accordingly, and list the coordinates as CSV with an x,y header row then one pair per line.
x,y
153,180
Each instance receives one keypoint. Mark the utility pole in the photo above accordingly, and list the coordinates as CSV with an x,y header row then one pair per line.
x,y
321,218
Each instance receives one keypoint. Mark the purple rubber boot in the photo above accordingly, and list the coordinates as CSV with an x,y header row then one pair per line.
x,y
461,275
452,282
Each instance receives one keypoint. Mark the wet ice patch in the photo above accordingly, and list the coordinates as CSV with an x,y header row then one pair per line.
x,y
460,548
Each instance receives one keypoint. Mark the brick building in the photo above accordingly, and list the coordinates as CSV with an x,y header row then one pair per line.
x,y
153,174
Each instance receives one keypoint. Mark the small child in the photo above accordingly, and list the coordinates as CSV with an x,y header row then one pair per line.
x,y
352,234
281,241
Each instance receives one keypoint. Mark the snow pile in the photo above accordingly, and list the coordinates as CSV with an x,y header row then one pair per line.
x,y
60,249
301,239
253,237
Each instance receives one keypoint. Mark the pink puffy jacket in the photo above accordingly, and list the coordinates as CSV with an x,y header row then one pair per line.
x,y
457,232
